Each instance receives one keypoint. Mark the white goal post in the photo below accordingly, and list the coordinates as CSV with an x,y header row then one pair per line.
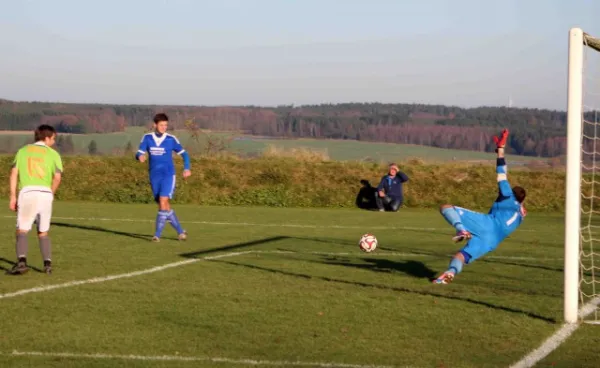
x,y
579,156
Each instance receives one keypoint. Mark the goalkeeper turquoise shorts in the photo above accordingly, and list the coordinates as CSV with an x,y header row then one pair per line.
x,y
484,231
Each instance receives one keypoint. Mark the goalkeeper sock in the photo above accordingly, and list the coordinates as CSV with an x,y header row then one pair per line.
x,y
456,266
453,218
175,221
161,221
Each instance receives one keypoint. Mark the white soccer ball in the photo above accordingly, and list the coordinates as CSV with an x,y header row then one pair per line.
x,y
367,243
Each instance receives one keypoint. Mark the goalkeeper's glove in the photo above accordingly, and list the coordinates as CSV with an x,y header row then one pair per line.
x,y
501,141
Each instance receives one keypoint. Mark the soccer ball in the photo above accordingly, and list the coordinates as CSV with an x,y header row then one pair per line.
x,y
367,243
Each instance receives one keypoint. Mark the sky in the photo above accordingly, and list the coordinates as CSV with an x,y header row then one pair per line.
x,y
273,52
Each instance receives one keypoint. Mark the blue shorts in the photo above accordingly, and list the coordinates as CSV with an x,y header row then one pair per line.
x,y
162,186
483,229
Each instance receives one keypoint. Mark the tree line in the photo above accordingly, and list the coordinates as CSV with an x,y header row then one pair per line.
x,y
534,132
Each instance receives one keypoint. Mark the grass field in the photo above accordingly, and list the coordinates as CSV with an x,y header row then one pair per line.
x,y
281,287
340,150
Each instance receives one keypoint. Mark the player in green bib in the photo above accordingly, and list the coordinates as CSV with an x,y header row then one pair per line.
x,y
36,173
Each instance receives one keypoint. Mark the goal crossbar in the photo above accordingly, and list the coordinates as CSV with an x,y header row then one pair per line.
x,y
591,42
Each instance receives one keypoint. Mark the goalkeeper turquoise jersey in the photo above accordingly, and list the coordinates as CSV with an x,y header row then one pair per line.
x,y
507,212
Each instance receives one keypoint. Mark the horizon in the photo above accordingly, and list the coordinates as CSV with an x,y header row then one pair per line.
x,y
270,53
285,105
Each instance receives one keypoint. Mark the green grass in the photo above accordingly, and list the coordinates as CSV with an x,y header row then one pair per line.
x,y
339,150
304,292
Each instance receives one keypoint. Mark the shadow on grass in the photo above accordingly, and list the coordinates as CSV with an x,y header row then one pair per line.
x,y
417,251
519,264
195,254
237,246
12,263
109,231
398,289
412,268
491,259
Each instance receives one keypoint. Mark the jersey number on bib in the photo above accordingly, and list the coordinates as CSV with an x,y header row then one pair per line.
x,y
35,167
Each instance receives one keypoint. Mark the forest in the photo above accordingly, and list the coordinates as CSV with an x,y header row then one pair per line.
x,y
534,132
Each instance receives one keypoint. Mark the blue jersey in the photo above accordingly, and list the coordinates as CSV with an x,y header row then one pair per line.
x,y
393,186
507,212
160,150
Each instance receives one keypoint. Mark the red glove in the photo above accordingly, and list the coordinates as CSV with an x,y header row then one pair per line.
x,y
501,141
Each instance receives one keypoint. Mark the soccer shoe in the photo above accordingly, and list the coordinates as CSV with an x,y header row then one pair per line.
x,y
48,267
182,236
461,235
155,239
18,269
444,278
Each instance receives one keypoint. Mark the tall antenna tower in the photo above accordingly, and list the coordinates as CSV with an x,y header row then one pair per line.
x,y
510,102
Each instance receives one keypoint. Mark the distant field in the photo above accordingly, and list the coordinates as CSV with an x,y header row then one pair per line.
x,y
16,132
353,150
335,149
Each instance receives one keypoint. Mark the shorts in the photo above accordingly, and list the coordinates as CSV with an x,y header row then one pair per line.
x,y
483,230
34,206
163,186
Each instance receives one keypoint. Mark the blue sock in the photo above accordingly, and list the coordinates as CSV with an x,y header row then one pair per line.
x,y
174,221
456,266
453,218
161,221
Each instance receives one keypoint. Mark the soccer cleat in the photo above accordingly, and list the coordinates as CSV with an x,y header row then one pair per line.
x,y
155,239
48,267
19,269
182,236
461,235
444,278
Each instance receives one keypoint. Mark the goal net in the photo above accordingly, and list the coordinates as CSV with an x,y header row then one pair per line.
x,y
582,217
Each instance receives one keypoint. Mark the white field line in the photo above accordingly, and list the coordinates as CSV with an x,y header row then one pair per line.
x,y
193,359
397,254
560,336
253,224
96,280
528,361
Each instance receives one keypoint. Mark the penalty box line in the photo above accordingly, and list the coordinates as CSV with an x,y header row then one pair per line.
x,y
254,362
253,224
96,280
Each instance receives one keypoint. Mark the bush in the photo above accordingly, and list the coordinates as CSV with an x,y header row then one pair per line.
x,y
289,182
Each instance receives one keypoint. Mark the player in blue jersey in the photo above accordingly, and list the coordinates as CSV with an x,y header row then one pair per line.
x,y
485,231
160,145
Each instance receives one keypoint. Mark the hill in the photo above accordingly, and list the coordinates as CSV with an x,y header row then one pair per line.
x,y
244,145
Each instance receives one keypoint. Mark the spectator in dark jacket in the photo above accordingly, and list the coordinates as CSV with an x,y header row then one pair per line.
x,y
390,194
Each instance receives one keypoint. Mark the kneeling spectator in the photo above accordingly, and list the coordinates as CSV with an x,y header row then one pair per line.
x,y
389,191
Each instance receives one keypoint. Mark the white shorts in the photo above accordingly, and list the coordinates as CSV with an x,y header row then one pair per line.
x,y
34,206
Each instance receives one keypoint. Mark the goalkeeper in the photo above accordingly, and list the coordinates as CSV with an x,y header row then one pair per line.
x,y
485,232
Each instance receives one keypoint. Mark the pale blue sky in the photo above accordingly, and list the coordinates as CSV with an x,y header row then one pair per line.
x,y
268,52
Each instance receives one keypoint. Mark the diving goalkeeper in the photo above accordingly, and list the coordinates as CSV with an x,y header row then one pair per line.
x,y
484,232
